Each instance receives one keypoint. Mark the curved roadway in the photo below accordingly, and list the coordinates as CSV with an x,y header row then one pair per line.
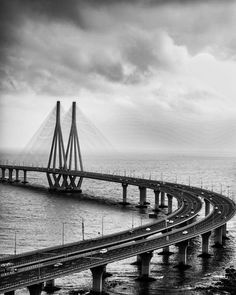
x,y
38,266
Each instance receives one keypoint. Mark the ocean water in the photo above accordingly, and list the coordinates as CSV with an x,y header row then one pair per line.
x,y
38,218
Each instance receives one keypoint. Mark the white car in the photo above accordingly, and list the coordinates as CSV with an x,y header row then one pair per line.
x,y
103,251
148,229
185,232
58,264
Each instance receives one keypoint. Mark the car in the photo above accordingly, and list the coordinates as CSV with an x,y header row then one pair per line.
x,y
182,216
7,264
58,264
187,215
171,221
219,212
185,232
103,251
131,231
216,207
177,216
148,229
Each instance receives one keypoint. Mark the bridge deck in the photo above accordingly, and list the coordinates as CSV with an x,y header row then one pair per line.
x,y
84,255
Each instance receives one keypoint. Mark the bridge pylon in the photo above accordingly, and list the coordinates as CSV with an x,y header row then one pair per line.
x,y
61,162
73,153
57,157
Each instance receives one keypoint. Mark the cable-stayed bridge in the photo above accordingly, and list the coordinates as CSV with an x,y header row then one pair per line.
x,y
65,174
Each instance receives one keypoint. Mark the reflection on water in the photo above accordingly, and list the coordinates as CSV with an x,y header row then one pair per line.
x,y
38,217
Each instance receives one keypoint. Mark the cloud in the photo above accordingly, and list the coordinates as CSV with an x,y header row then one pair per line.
x,y
158,67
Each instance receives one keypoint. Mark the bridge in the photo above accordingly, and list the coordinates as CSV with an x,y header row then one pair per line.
x,y
65,174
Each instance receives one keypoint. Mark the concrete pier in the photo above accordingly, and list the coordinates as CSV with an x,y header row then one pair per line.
x,y
182,254
157,193
25,177
124,187
3,174
35,289
97,273
10,179
170,203
138,260
207,207
205,244
142,197
166,250
162,205
218,237
179,203
145,264
224,231
50,284
17,176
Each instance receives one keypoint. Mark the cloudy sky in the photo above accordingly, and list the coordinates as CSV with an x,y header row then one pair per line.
x,y
151,75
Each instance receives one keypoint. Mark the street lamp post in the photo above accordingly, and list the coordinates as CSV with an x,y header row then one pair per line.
x,y
15,244
63,233
82,228
102,224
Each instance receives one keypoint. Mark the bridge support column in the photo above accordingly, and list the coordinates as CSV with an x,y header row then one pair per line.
x,y
157,193
207,207
35,289
145,265
17,176
166,249
50,287
179,203
205,244
124,187
10,175
182,254
224,231
142,197
50,284
170,203
218,237
25,177
97,273
162,205
3,174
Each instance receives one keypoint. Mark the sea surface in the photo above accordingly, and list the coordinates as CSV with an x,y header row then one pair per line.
x,y
32,218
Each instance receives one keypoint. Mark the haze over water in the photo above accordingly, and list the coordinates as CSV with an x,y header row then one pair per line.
x,y
38,216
